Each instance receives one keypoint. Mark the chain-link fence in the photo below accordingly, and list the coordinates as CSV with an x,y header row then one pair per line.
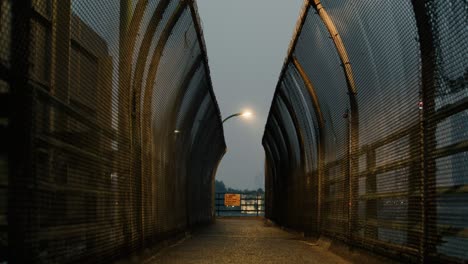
x,y
110,131
367,136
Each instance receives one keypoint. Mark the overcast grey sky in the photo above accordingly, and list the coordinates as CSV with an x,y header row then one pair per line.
x,y
247,41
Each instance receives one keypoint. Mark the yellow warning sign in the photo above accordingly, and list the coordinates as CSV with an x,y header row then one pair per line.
x,y
231,199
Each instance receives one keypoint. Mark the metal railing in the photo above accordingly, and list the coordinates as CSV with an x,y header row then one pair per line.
x,y
106,112
373,156
251,204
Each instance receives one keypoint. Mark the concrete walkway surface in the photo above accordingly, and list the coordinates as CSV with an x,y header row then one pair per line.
x,y
247,241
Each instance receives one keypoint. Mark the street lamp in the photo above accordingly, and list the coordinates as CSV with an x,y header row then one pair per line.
x,y
245,114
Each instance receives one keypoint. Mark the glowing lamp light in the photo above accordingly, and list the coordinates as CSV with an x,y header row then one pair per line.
x,y
247,114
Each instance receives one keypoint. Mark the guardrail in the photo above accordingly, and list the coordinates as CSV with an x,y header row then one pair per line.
x,y
251,204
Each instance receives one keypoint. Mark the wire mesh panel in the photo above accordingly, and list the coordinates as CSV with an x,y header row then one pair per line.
x,y
380,41
292,199
323,70
99,159
385,83
449,123
302,110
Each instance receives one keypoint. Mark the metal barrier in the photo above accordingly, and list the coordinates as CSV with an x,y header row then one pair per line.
x,y
249,205
366,140
110,130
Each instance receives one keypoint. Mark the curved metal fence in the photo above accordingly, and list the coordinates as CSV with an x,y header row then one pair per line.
x,y
110,130
366,139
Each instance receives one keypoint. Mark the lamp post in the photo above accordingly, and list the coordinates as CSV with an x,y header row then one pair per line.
x,y
244,114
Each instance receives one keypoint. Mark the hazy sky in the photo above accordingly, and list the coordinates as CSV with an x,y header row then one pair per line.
x,y
247,41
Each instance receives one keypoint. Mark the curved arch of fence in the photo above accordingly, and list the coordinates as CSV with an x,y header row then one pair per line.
x,y
113,132
366,137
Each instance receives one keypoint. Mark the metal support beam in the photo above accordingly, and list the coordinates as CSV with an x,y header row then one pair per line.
x,y
353,143
340,47
129,28
300,139
135,105
321,137
154,64
427,127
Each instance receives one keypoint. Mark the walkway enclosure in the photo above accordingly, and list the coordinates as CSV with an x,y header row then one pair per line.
x,y
111,129
366,139
110,133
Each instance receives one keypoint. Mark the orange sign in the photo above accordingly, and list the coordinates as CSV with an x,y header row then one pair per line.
x,y
231,199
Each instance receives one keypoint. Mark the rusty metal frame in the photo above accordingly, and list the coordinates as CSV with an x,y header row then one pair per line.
x,y
61,35
154,64
143,55
135,103
414,134
145,117
340,47
427,126
424,135
129,28
353,141
24,96
321,137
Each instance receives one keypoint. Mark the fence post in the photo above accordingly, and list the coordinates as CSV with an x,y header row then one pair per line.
x,y
371,189
320,142
427,128
217,203
354,113
256,201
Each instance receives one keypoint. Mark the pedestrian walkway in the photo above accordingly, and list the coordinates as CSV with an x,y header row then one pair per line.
x,y
245,240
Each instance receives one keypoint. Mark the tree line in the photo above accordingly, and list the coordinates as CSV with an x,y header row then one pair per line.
x,y
220,187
